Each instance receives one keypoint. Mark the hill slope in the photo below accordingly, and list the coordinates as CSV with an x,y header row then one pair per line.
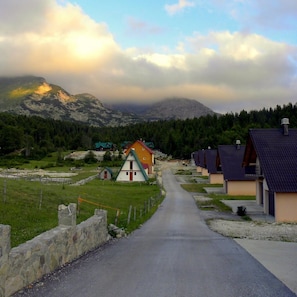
x,y
30,95
166,109
177,108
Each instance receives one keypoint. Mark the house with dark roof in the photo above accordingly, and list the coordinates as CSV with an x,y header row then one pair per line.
x,y
195,157
144,153
229,160
271,157
214,176
200,162
132,170
106,174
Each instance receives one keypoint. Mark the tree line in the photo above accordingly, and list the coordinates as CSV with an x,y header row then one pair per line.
x,y
35,137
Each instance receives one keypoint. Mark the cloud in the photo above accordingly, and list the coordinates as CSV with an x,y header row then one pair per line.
x,y
22,16
272,15
61,38
140,28
278,15
223,70
180,6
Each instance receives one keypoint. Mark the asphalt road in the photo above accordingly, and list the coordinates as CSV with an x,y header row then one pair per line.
x,y
173,255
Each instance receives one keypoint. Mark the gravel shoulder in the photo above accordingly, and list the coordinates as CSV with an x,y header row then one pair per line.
x,y
255,230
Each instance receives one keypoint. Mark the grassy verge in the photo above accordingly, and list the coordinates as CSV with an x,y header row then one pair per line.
x,y
31,207
198,188
213,201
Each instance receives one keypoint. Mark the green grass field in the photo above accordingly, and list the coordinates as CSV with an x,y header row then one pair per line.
x,y
31,207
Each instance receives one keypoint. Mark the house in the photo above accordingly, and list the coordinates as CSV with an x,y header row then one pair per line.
x,y
199,158
271,157
103,146
106,174
144,153
229,160
214,176
132,169
195,157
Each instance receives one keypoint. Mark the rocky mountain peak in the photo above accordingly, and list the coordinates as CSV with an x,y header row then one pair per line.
x,y
30,95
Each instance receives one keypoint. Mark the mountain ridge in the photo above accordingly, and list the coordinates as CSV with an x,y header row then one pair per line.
x,y
32,95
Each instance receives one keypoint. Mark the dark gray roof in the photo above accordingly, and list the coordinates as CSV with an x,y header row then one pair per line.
x,y
196,158
230,158
277,155
201,159
210,160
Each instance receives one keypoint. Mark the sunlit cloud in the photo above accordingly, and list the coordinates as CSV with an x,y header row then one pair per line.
x,y
70,49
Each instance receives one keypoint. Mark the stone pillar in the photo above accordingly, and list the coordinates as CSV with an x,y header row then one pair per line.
x,y
5,248
4,240
67,215
100,212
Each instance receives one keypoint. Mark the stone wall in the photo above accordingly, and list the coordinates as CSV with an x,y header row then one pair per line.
x,y
28,262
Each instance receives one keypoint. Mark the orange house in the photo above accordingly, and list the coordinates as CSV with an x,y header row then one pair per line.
x,y
145,155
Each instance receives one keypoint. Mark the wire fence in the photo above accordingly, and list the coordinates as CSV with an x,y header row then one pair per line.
x,y
121,217
134,214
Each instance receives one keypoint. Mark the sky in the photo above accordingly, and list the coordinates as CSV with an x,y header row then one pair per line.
x,y
229,55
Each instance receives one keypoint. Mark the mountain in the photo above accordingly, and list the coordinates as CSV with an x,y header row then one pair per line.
x,y
166,109
31,95
177,108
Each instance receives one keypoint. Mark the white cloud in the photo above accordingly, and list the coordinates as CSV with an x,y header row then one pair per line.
x,y
224,70
65,40
180,6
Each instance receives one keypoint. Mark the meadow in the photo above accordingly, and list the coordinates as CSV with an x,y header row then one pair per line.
x,y
30,206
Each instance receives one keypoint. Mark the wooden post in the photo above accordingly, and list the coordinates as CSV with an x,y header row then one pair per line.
x,y
129,215
117,216
4,191
40,199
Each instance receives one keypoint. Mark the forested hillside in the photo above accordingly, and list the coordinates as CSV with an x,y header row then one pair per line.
x,y
34,137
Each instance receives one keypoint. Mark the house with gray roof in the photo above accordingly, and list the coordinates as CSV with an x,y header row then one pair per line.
x,y
199,158
214,176
229,162
271,157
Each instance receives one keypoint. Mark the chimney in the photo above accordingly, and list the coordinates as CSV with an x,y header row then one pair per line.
x,y
237,143
285,124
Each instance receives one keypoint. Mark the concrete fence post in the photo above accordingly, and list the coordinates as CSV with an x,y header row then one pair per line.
x,y
67,215
4,240
5,247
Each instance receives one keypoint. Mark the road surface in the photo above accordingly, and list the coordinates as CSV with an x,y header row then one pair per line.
x,y
174,254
